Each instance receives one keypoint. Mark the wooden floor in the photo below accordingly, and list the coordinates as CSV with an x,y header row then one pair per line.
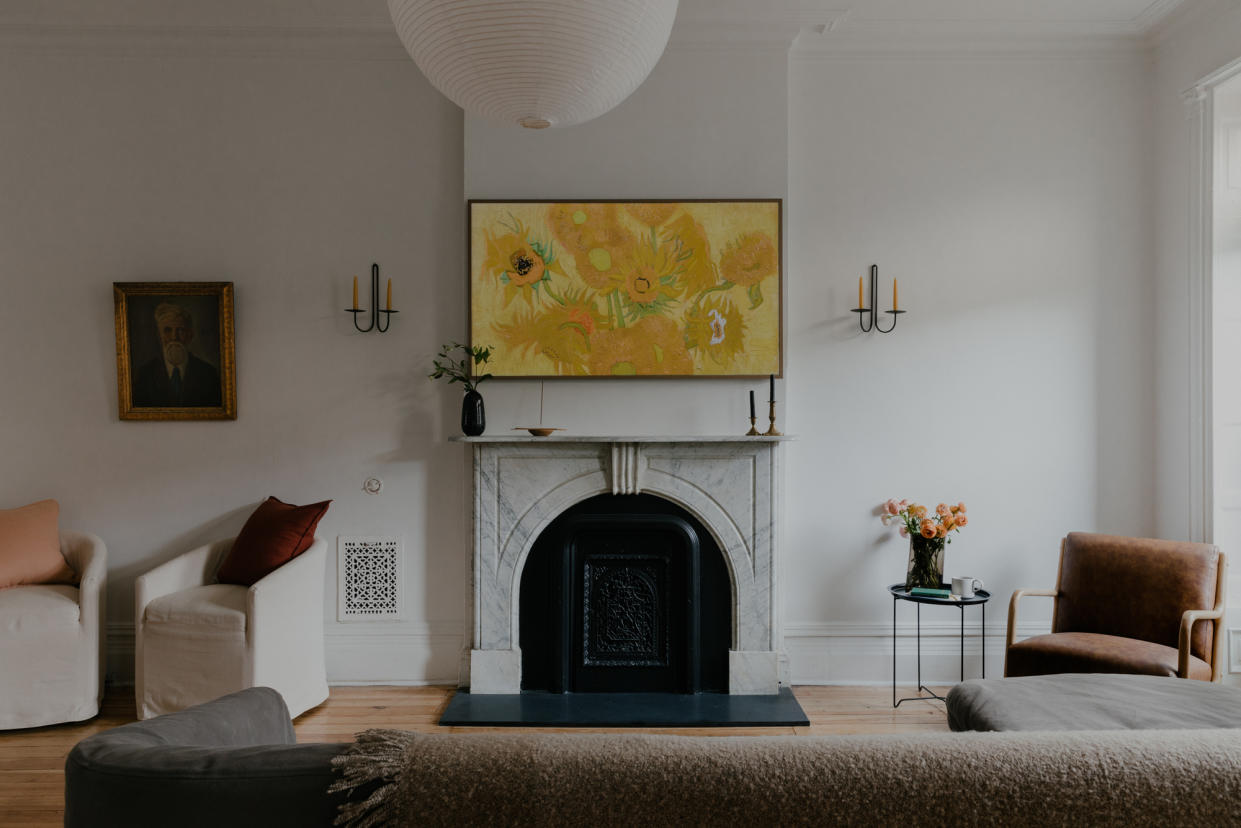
x,y
32,761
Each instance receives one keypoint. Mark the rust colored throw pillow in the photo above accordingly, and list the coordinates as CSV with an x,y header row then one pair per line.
x,y
30,546
275,534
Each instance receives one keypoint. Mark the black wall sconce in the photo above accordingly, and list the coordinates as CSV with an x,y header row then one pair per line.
x,y
861,310
375,310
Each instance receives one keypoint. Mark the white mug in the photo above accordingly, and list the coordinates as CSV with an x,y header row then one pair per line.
x,y
964,587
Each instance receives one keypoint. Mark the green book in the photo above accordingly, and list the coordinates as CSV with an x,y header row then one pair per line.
x,y
928,592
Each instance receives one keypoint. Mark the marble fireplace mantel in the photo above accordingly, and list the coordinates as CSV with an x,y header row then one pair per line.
x,y
732,484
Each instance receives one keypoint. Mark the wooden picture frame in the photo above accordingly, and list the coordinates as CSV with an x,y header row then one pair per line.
x,y
175,351
615,288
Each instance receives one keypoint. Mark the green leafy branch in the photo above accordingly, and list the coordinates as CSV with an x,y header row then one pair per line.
x,y
460,370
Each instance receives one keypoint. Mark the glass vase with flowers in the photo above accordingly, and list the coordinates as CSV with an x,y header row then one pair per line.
x,y
928,533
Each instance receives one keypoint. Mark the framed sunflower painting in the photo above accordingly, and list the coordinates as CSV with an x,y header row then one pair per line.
x,y
627,288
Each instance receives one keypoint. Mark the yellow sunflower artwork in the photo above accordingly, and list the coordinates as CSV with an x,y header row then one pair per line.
x,y
626,288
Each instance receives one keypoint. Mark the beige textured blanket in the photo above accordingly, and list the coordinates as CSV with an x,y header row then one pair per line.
x,y
1082,778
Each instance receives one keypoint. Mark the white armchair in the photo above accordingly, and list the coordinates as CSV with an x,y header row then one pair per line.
x,y
51,642
196,640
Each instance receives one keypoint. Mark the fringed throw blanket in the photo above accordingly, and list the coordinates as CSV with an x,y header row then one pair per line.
x,y
1130,778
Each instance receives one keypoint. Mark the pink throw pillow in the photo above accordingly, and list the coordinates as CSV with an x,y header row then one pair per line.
x,y
30,546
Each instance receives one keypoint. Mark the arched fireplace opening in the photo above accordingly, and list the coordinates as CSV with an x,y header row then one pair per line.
x,y
625,593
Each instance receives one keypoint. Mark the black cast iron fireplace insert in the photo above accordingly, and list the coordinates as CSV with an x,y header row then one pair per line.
x,y
625,594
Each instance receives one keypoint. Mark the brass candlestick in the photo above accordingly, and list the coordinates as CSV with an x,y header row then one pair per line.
x,y
753,432
771,432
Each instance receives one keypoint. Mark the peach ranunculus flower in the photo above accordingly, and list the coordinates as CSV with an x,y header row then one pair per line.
x,y
941,531
960,507
962,520
892,507
949,522
942,510
928,529
918,510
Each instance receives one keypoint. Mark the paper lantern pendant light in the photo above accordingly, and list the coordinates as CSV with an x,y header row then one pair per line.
x,y
535,63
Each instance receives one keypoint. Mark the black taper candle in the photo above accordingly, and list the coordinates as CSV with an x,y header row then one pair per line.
x,y
772,398
751,404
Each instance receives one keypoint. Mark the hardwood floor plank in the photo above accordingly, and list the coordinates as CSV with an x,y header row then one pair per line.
x,y
32,761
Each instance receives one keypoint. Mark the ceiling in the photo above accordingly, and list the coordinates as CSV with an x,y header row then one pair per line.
x,y
841,18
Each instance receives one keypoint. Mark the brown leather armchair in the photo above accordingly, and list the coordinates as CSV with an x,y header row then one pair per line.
x,y
1128,605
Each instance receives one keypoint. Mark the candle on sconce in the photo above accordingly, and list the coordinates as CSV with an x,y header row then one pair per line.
x,y
772,385
752,404
355,291
389,294
859,293
895,294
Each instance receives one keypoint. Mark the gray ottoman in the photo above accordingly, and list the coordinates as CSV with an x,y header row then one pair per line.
x,y
230,762
1092,701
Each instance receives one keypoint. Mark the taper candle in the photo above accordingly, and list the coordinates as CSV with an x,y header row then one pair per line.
x,y
895,294
355,291
772,398
751,404
859,292
389,294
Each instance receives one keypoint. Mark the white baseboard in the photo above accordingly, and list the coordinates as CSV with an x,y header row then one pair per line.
x,y
416,654
402,653
842,653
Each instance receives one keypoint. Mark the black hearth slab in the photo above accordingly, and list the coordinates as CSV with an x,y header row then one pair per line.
x,y
624,710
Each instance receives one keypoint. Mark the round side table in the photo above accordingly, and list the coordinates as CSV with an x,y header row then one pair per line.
x,y
899,593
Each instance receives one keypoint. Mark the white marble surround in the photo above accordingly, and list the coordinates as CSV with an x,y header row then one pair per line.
x,y
731,484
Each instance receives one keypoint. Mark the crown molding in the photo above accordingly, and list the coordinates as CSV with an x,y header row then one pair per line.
x,y
806,27
1187,13
170,41
730,25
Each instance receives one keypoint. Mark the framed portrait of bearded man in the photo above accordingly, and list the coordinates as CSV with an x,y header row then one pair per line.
x,y
174,351
685,288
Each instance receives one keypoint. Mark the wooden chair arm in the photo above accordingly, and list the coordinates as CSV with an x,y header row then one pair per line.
x,y
1188,619
1018,594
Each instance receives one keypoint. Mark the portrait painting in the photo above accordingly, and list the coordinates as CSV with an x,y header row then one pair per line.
x,y
627,288
174,350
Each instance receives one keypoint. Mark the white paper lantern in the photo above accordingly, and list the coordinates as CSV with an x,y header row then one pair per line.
x,y
537,63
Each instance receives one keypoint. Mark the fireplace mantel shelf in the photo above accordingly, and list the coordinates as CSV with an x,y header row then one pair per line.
x,y
610,438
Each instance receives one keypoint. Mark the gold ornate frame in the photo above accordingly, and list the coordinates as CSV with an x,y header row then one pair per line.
x,y
223,291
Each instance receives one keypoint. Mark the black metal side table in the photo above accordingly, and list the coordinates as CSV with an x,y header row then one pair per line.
x,y
899,593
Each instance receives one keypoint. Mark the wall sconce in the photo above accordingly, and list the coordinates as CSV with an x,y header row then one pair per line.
x,y
375,311
861,310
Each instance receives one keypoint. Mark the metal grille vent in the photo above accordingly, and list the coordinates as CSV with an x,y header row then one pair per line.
x,y
368,578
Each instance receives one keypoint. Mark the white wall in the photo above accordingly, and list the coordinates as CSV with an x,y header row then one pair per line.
x,y
1012,199
1204,40
285,177
707,123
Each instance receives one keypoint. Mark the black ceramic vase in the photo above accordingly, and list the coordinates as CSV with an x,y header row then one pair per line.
x,y
473,419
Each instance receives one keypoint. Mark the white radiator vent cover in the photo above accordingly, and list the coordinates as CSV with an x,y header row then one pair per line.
x,y
368,578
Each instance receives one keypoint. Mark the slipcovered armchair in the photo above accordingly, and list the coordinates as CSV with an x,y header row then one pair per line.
x,y
51,641
196,639
1128,605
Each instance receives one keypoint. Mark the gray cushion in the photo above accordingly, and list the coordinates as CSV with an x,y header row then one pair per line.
x,y
1092,701
233,761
